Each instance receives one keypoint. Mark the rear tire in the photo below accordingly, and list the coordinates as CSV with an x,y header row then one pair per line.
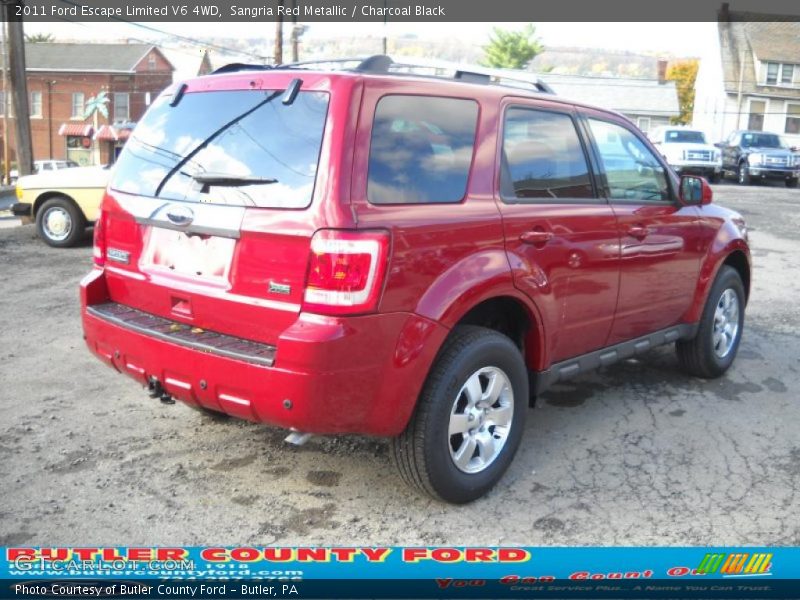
x,y
59,223
713,178
791,182
714,348
469,418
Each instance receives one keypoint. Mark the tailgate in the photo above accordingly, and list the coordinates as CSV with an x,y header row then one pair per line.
x,y
209,218
232,270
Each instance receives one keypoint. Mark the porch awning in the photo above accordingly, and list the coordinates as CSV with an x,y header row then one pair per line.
x,y
109,133
79,129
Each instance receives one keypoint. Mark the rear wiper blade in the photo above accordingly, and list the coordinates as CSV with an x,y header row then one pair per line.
x,y
225,180
214,135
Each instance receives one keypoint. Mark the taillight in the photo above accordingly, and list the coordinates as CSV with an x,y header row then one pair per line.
x,y
99,250
346,271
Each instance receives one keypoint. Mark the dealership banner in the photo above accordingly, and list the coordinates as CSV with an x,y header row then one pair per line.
x,y
311,11
393,572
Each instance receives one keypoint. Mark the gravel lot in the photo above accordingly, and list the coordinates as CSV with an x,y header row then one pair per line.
x,y
635,454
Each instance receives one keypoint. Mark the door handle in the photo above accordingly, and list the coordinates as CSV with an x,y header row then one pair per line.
x,y
536,236
638,231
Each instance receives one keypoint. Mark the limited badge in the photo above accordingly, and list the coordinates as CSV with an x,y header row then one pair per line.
x,y
119,256
279,288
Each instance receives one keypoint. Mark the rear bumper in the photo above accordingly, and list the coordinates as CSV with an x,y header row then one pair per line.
x,y
329,374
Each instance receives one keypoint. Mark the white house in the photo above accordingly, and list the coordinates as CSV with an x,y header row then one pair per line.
x,y
751,79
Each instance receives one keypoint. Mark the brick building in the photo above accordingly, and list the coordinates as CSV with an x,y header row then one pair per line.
x,y
62,77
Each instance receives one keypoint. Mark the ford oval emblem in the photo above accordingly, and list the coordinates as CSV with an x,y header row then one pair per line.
x,y
180,215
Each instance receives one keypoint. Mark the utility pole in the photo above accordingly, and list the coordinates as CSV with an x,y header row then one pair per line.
x,y
297,32
278,53
739,94
6,178
19,85
385,45
295,49
50,85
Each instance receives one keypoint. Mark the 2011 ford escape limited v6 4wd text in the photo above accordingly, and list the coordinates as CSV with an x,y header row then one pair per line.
x,y
405,256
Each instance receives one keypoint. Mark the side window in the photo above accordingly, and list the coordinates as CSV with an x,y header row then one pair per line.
x,y
542,157
632,171
421,149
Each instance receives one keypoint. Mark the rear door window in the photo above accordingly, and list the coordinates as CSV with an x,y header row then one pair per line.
x,y
258,151
542,157
421,149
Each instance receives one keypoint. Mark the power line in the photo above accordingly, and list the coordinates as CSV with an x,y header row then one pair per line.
x,y
179,50
196,42
187,39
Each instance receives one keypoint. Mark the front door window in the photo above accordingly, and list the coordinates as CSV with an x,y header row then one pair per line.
x,y
632,170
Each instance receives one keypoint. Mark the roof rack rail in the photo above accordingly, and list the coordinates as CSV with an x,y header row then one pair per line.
x,y
233,67
478,74
381,64
333,63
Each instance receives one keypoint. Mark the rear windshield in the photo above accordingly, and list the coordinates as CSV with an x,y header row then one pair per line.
x,y
261,152
685,137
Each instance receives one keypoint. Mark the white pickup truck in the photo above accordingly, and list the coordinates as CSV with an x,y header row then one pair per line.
x,y
687,151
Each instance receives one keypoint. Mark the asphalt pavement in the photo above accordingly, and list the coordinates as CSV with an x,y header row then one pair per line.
x,y
636,453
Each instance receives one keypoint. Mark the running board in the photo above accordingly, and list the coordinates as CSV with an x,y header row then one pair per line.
x,y
567,369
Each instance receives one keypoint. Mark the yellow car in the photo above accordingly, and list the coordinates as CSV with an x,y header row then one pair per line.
x,y
62,202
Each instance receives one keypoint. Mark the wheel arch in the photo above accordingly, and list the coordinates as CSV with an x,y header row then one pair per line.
x,y
739,261
482,284
735,254
514,318
50,194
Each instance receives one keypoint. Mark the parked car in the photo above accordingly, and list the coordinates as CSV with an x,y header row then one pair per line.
x,y
687,151
63,202
755,155
393,255
45,165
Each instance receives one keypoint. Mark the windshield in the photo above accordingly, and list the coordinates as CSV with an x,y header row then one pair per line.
x,y
685,137
273,151
761,140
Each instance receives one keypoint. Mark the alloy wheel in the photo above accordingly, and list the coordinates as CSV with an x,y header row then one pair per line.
x,y
480,420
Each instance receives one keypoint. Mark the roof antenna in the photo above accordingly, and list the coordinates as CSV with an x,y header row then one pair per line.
x,y
291,92
178,95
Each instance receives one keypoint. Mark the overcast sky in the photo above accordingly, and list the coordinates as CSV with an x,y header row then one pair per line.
x,y
680,39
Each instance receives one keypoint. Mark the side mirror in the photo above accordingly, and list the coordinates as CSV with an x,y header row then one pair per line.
x,y
719,144
695,191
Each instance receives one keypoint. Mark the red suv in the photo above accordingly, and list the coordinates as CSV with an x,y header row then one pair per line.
x,y
414,257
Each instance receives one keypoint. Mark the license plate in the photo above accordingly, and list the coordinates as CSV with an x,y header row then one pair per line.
x,y
203,256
